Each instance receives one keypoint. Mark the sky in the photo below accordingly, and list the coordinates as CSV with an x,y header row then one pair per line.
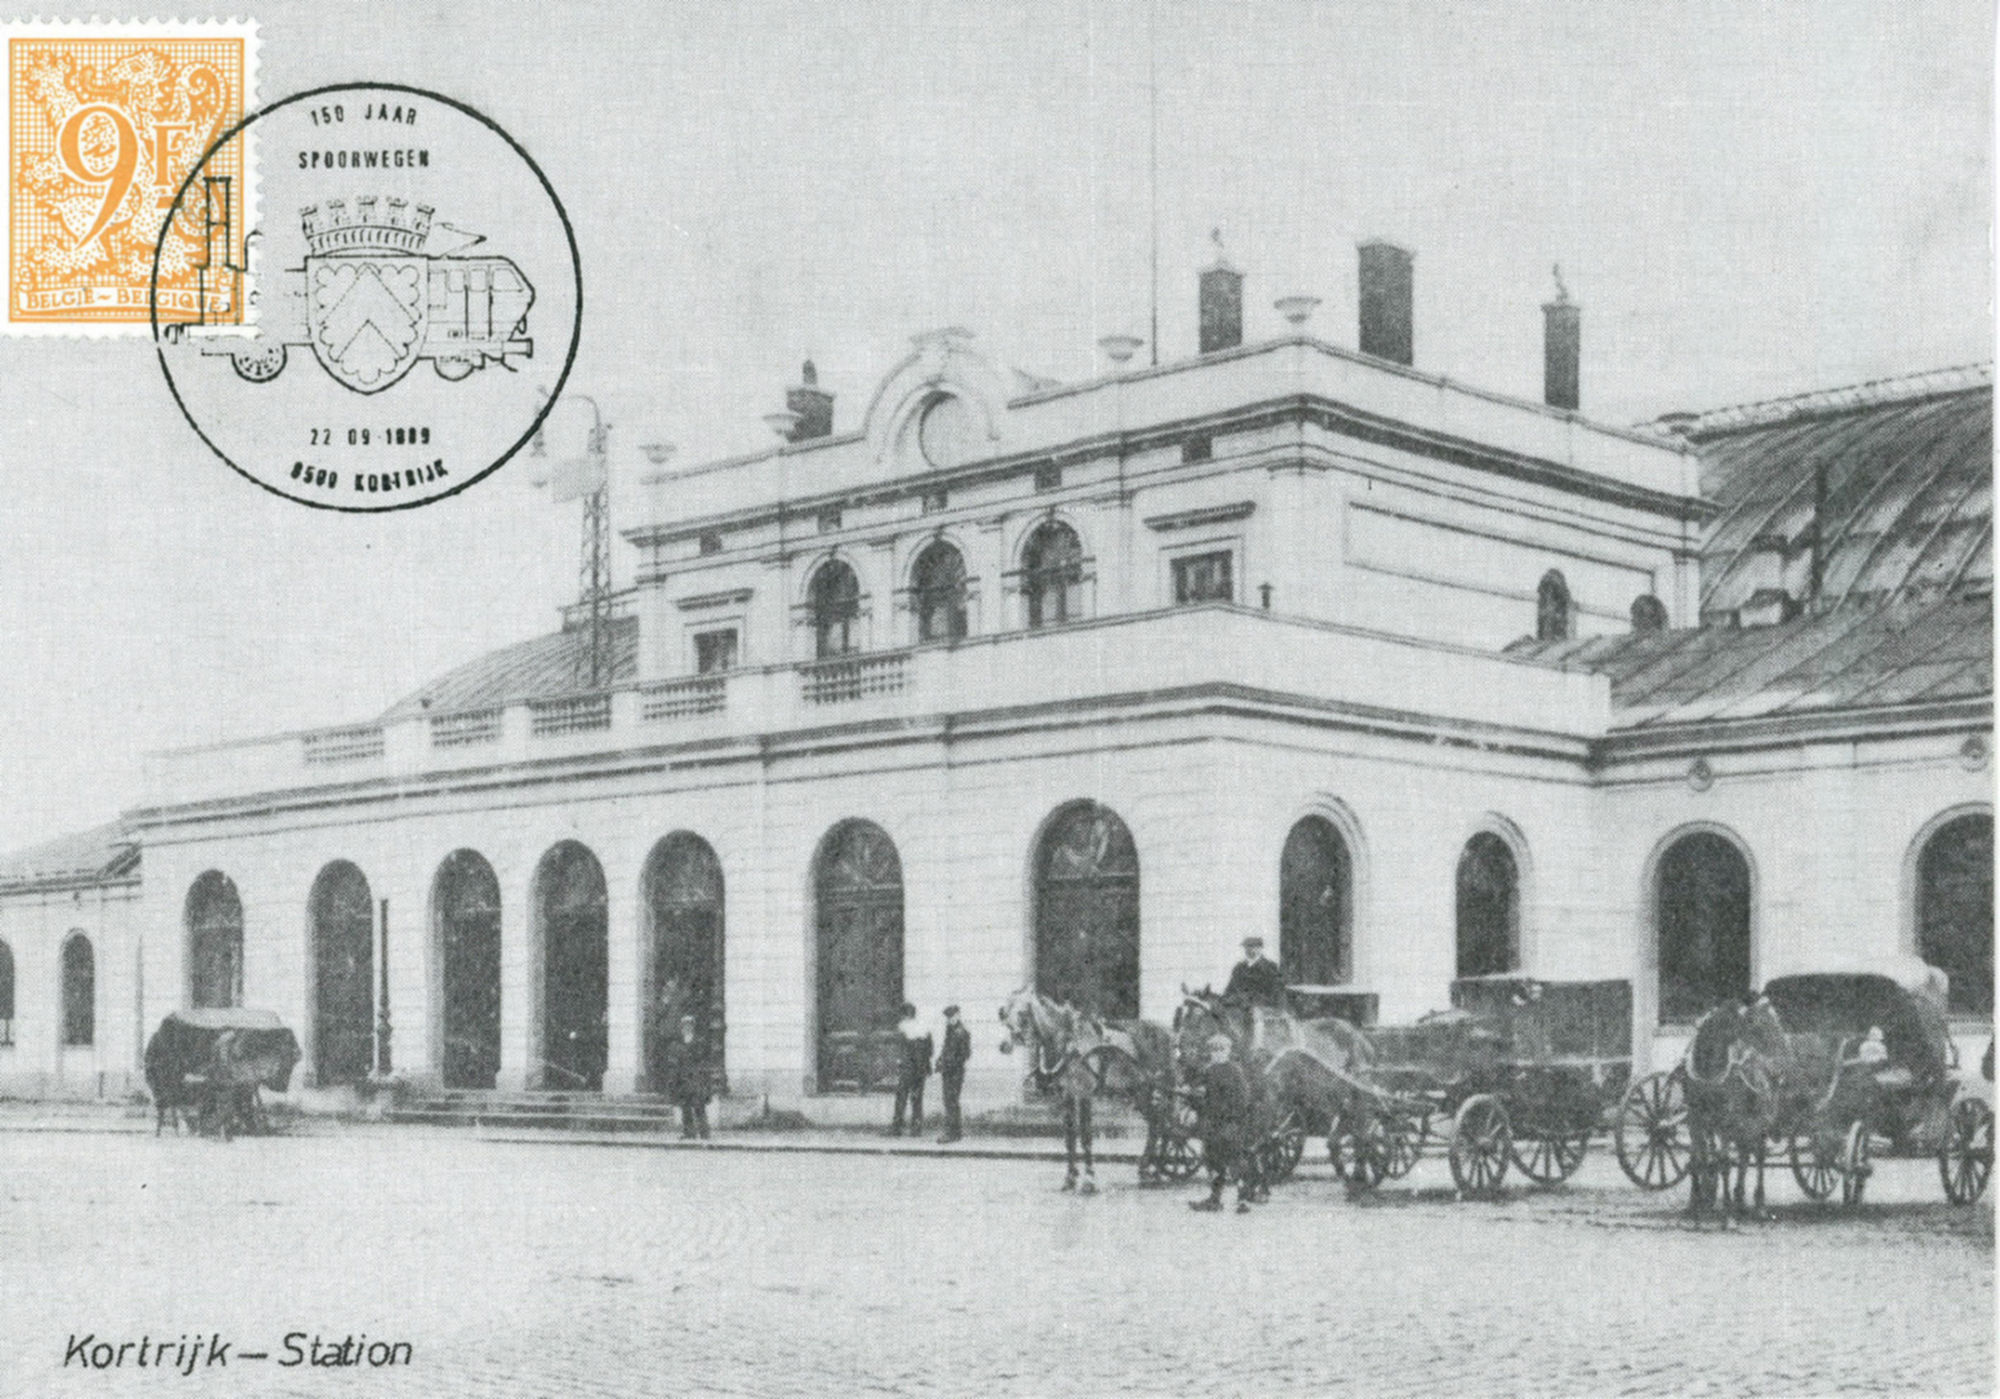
x,y
1747,200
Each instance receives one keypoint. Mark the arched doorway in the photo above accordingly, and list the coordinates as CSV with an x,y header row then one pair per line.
x,y
835,604
342,917
1087,912
1316,905
1489,907
1052,575
1702,917
858,888
937,593
573,934
79,992
465,907
683,884
1955,909
213,917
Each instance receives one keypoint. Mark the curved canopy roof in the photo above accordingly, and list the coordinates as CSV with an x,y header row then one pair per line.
x,y
546,667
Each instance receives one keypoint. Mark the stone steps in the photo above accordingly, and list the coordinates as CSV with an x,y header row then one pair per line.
x,y
648,1112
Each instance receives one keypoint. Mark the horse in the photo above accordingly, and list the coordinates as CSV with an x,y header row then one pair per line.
x,y
1749,1085
1078,1057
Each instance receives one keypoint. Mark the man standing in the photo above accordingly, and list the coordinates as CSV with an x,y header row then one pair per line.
x,y
688,1079
1227,1115
911,1071
951,1069
1256,980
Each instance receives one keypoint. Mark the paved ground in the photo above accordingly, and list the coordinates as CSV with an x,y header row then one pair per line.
x,y
554,1267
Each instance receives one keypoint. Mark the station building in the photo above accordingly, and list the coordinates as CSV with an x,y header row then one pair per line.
x,y
1013,682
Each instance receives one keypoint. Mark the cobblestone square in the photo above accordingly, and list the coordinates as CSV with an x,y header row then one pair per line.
x,y
568,1268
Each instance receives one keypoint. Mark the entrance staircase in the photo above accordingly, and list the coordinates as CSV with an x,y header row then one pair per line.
x,y
583,1112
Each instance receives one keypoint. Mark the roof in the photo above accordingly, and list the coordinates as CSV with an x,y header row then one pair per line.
x,y
103,854
1898,474
1906,649
545,668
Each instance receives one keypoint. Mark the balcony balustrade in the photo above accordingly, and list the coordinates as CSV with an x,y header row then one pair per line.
x,y
1152,655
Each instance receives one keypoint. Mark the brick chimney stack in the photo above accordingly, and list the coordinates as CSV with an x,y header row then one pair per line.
x,y
1221,303
1562,348
813,405
1386,330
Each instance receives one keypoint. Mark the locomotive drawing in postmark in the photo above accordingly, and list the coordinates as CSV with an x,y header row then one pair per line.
x,y
399,230
103,124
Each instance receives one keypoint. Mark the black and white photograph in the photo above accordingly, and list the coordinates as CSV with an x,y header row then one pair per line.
x,y
1017,697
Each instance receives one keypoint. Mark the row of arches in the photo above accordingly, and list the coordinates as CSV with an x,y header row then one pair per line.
x,y
1051,585
1086,938
76,994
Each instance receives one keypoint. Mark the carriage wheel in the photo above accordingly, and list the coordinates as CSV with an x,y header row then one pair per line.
x,y
1480,1145
1856,1165
1405,1141
1179,1159
259,366
1550,1160
1359,1147
1965,1161
1815,1164
1284,1148
1654,1144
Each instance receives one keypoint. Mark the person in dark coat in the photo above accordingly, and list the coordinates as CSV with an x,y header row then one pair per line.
x,y
1227,1117
951,1070
912,1069
689,1082
1256,980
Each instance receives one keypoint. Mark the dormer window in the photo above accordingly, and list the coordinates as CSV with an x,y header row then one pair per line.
x,y
1552,608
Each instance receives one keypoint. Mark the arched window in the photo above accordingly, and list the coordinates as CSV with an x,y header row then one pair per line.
x,y
939,593
6,994
1087,912
1315,905
214,922
1489,907
1955,909
1703,921
1552,608
836,611
1649,615
342,914
858,889
1052,575
465,906
573,930
79,992
683,884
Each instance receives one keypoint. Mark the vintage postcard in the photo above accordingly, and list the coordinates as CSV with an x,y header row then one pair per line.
x,y
1050,697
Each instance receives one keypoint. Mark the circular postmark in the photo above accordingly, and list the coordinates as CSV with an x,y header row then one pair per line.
x,y
364,309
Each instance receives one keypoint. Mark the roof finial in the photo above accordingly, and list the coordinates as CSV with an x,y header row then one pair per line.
x,y
1562,292
809,375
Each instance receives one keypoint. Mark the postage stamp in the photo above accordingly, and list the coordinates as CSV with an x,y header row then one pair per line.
x,y
410,298
103,123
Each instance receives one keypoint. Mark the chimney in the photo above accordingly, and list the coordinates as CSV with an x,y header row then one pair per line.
x,y
1385,301
1221,303
813,404
1562,326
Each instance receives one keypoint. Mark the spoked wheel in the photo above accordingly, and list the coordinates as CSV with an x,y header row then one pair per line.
x,y
1550,1160
1816,1163
1965,1161
1480,1146
1654,1144
259,366
1359,1146
1405,1142
1285,1148
1856,1165
1180,1147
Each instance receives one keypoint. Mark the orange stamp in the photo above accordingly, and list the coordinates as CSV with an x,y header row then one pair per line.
x,y
104,122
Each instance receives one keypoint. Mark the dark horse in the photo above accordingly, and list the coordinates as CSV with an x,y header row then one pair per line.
x,y
1078,1057
1749,1085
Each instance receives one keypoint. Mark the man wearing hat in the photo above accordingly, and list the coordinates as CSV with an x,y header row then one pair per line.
x,y
1256,979
913,1066
951,1059
1228,1123
689,1081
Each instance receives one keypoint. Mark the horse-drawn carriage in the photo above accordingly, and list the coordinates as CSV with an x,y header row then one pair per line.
x,y
209,1065
1822,1067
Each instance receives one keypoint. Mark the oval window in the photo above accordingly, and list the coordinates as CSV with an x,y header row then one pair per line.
x,y
948,435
